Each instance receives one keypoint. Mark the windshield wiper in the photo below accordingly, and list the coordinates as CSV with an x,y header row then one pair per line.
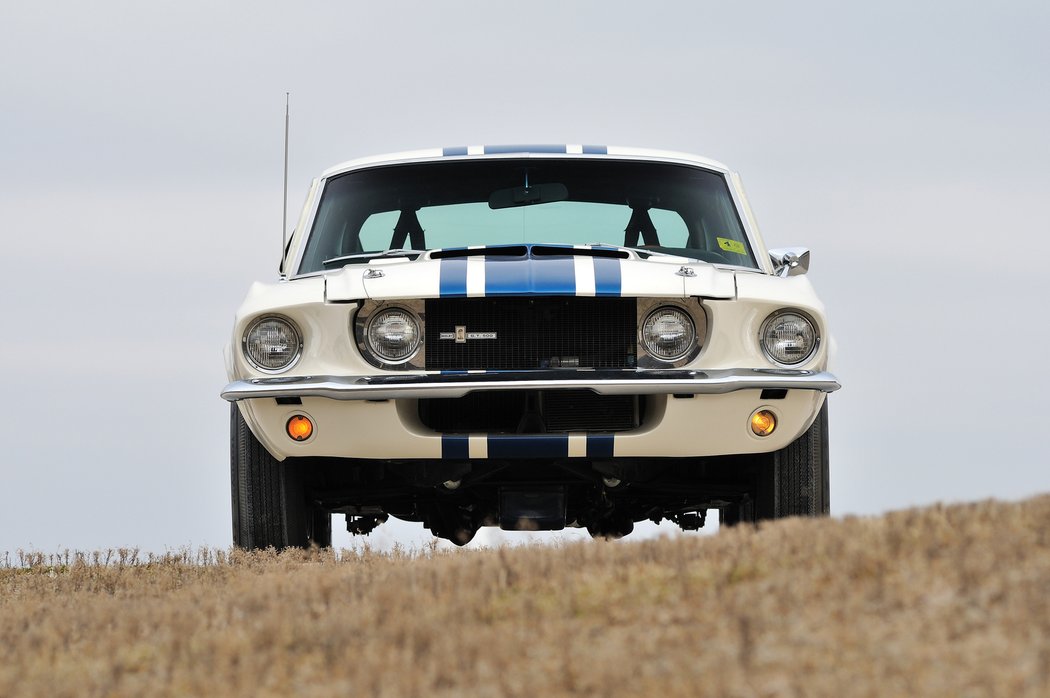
x,y
372,255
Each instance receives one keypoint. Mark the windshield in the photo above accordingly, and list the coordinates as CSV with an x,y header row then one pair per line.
x,y
653,207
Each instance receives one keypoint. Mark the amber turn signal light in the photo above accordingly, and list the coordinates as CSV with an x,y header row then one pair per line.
x,y
763,423
299,428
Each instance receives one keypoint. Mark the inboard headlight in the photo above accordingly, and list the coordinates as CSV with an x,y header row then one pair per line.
x,y
788,337
668,333
272,344
393,335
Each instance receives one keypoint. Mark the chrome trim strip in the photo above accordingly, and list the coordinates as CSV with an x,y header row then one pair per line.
x,y
416,386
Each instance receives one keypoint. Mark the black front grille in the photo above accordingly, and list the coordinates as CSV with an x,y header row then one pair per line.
x,y
531,412
531,333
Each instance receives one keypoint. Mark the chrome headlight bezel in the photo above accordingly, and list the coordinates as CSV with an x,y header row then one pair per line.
x,y
295,337
697,317
413,321
363,321
780,314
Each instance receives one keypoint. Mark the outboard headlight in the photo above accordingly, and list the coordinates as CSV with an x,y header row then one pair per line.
x,y
393,335
272,344
788,337
668,333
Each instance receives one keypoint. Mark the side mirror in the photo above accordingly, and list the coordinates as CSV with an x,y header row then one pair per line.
x,y
790,261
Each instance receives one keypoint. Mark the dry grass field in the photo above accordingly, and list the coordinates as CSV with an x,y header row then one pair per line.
x,y
946,601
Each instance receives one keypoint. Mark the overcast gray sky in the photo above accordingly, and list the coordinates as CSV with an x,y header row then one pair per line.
x,y
140,194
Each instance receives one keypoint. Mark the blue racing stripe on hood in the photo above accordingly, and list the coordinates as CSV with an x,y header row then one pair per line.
x,y
453,276
520,276
606,276
519,271
458,150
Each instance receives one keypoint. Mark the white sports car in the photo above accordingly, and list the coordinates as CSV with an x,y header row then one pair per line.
x,y
531,337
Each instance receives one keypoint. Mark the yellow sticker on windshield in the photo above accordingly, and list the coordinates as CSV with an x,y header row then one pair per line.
x,y
734,246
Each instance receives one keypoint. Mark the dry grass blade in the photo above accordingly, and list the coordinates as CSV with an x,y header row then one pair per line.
x,y
946,601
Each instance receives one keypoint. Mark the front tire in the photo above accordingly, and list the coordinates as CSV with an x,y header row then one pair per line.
x,y
801,473
794,481
268,500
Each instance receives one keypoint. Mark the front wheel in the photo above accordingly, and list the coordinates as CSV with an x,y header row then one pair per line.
x,y
269,504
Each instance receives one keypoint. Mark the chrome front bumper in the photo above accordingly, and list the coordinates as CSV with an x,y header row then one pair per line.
x,y
452,385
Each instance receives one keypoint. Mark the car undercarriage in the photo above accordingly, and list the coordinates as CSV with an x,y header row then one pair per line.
x,y
454,499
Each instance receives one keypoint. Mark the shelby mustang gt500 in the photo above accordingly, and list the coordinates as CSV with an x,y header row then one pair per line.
x,y
531,337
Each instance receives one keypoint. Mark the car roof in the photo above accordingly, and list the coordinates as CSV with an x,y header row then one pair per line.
x,y
502,151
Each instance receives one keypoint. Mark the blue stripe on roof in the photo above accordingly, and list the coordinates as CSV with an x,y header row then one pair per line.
x,y
524,148
455,446
599,445
530,446
606,276
453,275
498,149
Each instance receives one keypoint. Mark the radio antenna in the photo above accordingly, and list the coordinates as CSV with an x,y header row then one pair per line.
x,y
284,209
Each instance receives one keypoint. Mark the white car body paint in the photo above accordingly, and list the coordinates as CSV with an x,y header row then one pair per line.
x,y
323,306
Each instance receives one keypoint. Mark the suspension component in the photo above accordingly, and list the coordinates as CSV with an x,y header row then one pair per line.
x,y
363,525
690,521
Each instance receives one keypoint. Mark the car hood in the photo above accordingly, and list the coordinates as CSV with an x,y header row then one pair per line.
x,y
523,270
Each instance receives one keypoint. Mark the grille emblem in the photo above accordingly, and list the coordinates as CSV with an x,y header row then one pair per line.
x,y
461,335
